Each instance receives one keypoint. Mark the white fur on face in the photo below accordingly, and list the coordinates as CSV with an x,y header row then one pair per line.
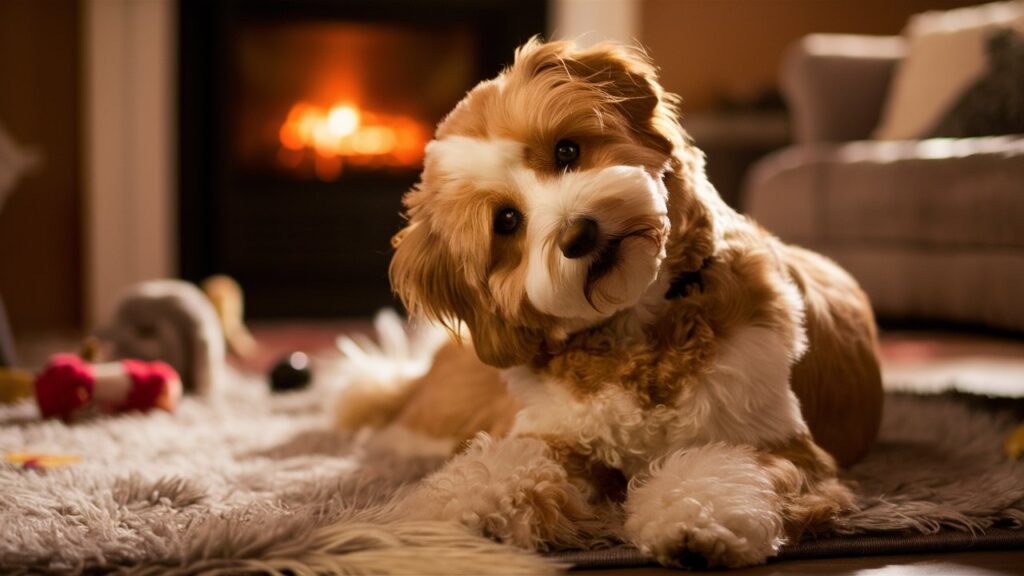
x,y
628,204
616,197
483,163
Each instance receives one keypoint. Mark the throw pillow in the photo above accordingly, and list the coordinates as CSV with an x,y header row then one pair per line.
x,y
946,54
995,103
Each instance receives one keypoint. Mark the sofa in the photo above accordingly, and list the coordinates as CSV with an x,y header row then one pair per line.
x,y
933,229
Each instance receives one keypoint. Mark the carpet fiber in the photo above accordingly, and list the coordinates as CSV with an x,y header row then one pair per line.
x,y
260,482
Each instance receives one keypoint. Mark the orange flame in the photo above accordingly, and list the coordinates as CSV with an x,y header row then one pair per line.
x,y
344,134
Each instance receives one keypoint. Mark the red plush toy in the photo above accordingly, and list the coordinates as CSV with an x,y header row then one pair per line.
x,y
69,385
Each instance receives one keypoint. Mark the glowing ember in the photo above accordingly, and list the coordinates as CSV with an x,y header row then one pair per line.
x,y
344,134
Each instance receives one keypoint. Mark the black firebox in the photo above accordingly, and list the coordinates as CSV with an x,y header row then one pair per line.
x,y
302,124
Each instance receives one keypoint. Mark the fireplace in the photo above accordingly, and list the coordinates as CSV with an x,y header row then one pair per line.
x,y
304,122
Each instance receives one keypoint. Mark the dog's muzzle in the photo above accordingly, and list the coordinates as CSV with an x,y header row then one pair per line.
x,y
579,238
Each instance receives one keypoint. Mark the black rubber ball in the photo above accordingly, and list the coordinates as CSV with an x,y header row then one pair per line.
x,y
291,373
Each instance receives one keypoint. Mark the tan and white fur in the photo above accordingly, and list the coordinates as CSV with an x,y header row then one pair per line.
x,y
666,360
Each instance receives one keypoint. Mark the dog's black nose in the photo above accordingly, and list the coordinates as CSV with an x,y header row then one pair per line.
x,y
579,238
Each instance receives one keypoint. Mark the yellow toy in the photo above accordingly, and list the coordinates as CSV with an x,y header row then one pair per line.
x,y
1014,445
32,461
15,385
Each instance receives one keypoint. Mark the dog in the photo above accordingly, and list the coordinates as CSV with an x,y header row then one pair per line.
x,y
637,352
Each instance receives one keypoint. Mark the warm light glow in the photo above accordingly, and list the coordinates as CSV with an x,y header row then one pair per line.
x,y
374,140
344,133
343,120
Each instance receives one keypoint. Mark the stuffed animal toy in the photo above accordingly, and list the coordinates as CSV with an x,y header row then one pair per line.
x,y
229,303
172,321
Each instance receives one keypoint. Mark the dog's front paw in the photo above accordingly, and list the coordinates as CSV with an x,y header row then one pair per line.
x,y
510,490
704,545
708,507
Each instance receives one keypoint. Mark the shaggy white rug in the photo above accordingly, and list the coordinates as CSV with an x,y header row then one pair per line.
x,y
260,482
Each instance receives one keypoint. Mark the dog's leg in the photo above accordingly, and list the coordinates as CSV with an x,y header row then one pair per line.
x,y
513,490
727,505
714,505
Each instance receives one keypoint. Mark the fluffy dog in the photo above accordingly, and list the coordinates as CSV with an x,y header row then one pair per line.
x,y
668,363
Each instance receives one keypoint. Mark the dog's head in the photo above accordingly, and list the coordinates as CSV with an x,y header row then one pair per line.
x,y
543,206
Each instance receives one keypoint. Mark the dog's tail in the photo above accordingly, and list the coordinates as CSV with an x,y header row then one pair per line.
x,y
375,377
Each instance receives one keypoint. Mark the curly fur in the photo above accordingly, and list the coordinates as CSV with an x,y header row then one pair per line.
x,y
510,489
716,501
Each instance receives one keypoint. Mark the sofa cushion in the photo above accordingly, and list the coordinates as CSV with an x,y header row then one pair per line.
x,y
969,286
944,193
930,228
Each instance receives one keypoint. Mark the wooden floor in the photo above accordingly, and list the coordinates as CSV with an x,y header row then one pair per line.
x,y
960,564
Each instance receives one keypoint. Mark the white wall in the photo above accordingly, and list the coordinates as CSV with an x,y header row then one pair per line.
x,y
591,21
129,86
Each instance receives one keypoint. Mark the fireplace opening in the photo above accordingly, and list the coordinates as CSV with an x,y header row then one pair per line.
x,y
325,98
304,122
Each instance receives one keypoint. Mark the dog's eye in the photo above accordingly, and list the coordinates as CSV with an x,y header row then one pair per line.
x,y
506,221
567,153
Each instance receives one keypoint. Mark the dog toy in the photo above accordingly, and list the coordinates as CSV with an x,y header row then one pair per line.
x,y
226,296
69,386
171,321
34,461
291,373
15,385
1014,444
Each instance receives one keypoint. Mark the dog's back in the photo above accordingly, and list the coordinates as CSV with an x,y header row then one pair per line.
x,y
838,380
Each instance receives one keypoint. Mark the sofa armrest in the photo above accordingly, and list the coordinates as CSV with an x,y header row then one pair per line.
x,y
930,228
836,84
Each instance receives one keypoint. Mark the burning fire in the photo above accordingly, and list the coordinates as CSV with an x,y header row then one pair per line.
x,y
345,134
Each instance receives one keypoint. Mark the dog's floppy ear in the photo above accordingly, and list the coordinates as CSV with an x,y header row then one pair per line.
x,y
422,275
631,82
501,344
427,279
625,78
